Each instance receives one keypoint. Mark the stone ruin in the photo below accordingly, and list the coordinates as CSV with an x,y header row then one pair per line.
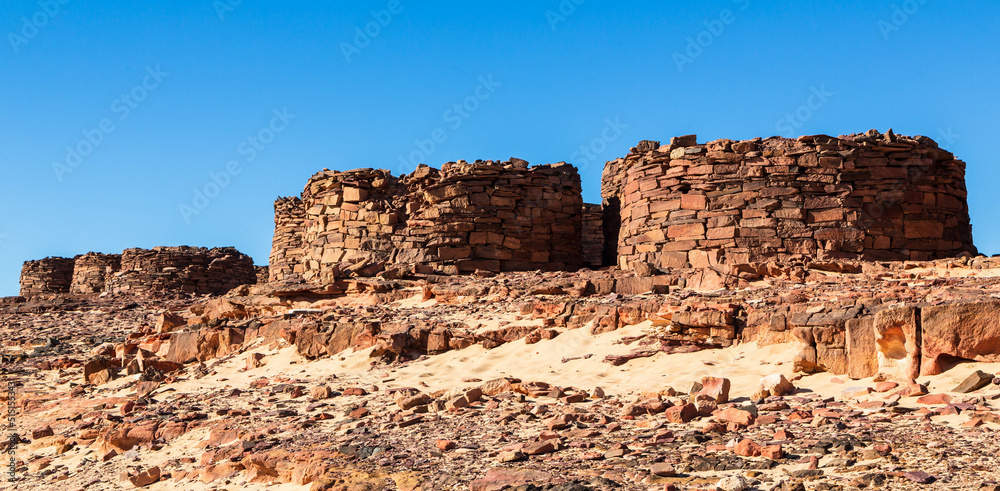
x,y
49,275
866,196
490,216
870,196
137,271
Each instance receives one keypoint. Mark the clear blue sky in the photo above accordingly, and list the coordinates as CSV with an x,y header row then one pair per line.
x,y
173,91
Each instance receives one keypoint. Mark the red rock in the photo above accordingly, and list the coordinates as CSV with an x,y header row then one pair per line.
x,y
255,360
747,448
42,432
169,321
213,473
919,477
681,414
409,402
457,403
773,452
773,385
885,386
782,435
510,456
355,391
733,415
539,448
654,406
498,479
445,445
145,478
855,392
99,370
935,399
968,330
560,422
663,469
716,388
127,408
496,387
910,390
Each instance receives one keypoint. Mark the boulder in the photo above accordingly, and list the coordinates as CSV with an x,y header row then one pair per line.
x,y
99,370
897,341
969,330
716,388
862,357
183,347
773,385
974,382
145,478
169,321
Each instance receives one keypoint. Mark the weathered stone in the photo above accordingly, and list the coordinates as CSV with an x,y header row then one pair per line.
x,y
974,382
968,330
898,341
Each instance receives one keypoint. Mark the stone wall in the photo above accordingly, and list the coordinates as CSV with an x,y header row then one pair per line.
x,y
91,271
492,216
865,196
162,269
286,247
182,269
49,275
263,274
593,235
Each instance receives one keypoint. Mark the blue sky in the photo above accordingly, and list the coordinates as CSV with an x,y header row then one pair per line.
x,y
119,117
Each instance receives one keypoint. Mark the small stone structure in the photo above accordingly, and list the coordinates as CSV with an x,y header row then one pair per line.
x,y
49,275
866,196
186,269
286,247
491,216
91,272
593,235
162,269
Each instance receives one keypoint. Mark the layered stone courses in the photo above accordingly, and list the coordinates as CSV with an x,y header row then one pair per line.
x,y
286,248
184,269
49,275
162,269
91,272
866,196
487,215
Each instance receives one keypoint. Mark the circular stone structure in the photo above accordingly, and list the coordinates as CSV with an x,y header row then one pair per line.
x,y
866,196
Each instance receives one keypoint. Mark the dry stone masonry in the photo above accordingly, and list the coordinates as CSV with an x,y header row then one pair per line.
x,y
162,269
865,196
488,215
91,272
593,235
49,275
185,269
286,248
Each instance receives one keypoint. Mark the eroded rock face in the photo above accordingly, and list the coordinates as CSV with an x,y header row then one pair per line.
x,y
969,330
862,359
897,341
